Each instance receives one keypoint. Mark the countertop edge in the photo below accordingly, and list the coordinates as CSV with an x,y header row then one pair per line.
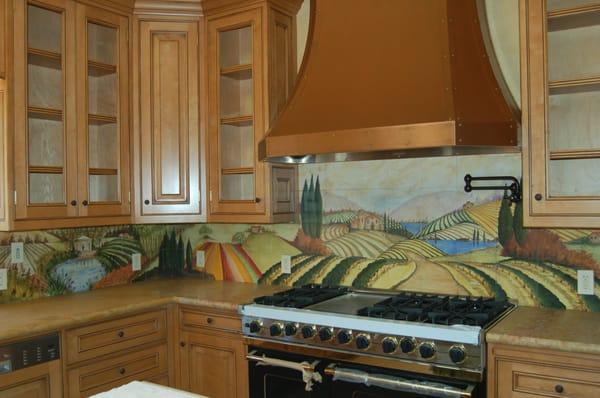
x,y
541,343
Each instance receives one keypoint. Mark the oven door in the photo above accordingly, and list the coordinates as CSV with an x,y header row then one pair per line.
x,y
350,380
274,374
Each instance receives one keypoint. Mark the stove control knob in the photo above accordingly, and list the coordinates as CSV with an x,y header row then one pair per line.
x,y
255,326
408,345
276,329
389,345
308,331
344,336
427,350
291,329
363,341
325,333
457,354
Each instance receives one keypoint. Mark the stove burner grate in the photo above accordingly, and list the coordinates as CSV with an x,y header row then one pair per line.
x,y
301,297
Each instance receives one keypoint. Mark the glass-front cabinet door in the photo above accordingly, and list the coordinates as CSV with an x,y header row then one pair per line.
x,y
236,122
562,112
103,143
45,181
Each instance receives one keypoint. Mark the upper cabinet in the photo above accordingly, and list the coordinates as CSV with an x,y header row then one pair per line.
x,y
168,138
71,125
561,112
3,23
251,70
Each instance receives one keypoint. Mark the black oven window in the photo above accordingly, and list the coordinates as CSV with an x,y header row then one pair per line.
x,y
281,386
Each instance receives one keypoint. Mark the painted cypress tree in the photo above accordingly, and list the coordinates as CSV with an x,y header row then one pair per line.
x,y
172,254
505,222
310,208
318,210
162,255
180,257
520,232
189,257
303,208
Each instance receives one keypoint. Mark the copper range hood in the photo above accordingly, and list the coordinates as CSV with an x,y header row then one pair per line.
x,y
394,78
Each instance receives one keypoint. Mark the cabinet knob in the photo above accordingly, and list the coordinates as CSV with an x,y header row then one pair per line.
x,y
538,196
257,200
121,333
209,320
182,344
122,371
73,203
146,202
559,389
85,203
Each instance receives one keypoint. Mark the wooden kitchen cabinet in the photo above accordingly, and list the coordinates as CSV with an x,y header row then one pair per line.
x,y
212,357
39,381
168,137
251,70
71,128
106,354
3,21
520,372
560,74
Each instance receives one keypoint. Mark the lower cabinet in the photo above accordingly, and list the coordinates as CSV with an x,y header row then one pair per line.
x,y
146,364
212,355
40,381
519,372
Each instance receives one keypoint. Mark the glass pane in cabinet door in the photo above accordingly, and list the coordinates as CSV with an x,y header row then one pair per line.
x,y
235,47
574,178
103,130
45,101
553,5
237,187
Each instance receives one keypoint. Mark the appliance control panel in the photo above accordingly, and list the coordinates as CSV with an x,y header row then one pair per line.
x,y
22,354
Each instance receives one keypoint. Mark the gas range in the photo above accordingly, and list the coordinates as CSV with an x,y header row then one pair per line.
x,y
443,335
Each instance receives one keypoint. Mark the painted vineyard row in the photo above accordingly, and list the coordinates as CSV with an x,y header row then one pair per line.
x,y
334,270
360,244
403,249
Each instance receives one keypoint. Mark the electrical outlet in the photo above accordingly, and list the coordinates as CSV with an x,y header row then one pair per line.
x,y
16,253
200,260
3,279
136,262
585,282
286,264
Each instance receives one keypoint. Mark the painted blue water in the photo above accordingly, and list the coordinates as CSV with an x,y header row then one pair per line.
x,y
83,272
414,227
460,246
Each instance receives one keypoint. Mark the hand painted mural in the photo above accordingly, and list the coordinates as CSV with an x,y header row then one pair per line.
x,y
402,224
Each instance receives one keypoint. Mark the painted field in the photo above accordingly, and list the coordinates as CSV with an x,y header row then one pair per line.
x,y
401,250
446,221
361,244
230,262
463,231
334,231
339,217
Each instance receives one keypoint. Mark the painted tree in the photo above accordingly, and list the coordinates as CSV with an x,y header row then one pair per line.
x,y
520,232
318,209
505,222
189,258
303,208
180,257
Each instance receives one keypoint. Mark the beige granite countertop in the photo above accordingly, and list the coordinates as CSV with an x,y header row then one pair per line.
x,y
573,331
54,313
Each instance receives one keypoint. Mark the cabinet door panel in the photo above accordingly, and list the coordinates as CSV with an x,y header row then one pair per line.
x,y
39,381
103,108
236,121
3,173
169,138
2,39
214,365
44,63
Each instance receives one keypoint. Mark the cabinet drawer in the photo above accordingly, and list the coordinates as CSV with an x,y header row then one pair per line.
x,y
113,336
146,364
536,380
192,319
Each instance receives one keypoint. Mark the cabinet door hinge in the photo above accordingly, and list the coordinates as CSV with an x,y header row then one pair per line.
x,y
129,197
15,192
210,196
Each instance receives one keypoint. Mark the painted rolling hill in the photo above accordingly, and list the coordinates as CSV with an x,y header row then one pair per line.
x,y
229,262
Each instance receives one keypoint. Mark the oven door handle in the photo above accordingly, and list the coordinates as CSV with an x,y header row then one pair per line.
x,y
395,383
309,374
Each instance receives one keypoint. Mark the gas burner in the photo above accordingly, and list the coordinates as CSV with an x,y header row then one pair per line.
x,y
301,297
437,309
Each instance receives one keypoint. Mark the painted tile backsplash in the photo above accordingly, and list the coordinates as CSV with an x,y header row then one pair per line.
x,y
400,224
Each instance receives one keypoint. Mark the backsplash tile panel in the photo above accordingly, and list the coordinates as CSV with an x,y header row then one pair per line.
x,y
398,224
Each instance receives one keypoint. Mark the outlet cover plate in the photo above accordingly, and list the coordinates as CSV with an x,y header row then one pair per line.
x,y
136,262
585,281
200,259
286,264
3,279
16,253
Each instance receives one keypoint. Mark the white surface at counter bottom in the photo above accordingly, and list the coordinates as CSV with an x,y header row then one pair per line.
x,y
143,389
